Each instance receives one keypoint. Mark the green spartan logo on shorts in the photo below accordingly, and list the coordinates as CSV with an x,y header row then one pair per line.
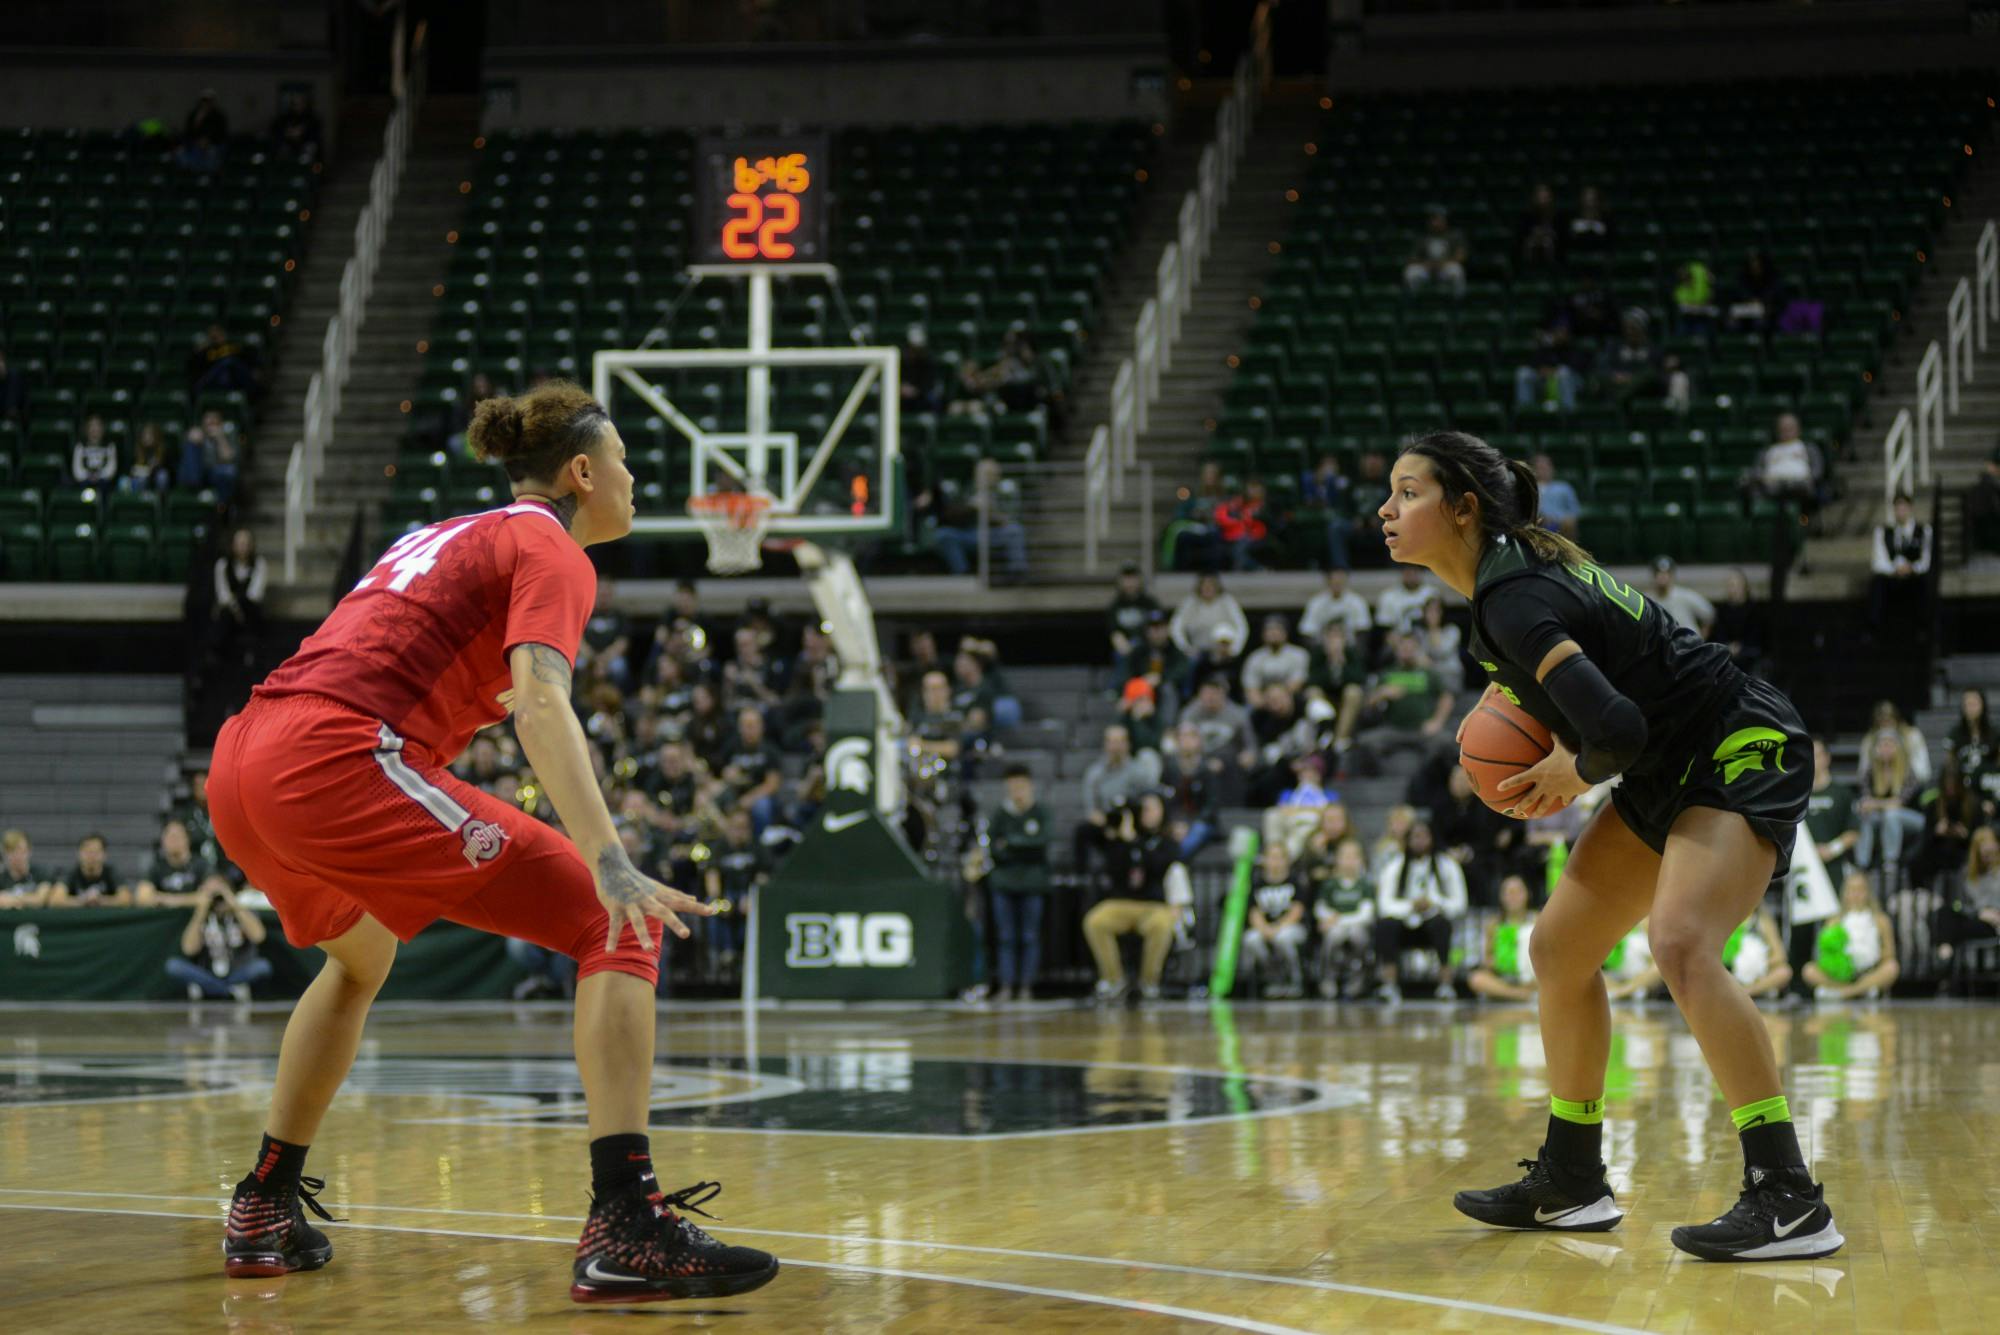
x,y
1745,749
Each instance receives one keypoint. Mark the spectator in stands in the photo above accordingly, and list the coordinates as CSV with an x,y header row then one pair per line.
x,y
1539,233
1224,724
1337,602
1388,846
1633,367
1283,736
1791,469
1145,859
1158,661
1002,705
241,578
178,873
1950,814
1111,784
1887,718
736,868
750,680
1900,560
1856,954
296,128
209,457
93,460
1400,609
1139,713
1323,488
753,771
206,119
1190,778
1975,750
13,393
1551,377
1972,908
1275,928
1209,626
1343,908
1437,256
1694,300
1831,819
150,470
220,362
1757,296
920,384
936,729
23,885
1406,711
1683,604
1197,541
219,958
1338,678
1982,505
1504,973
1018,833
972,695
91,882
1132,605
1241,524
1419,896
1478,838
1275,662
1888,806
1560,507
1590,235
1589,311
1739,622
1440,641
958,526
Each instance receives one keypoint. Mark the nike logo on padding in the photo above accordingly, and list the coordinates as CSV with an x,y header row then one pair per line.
x,y
1785,1230
592,1272
835,824
1550,1216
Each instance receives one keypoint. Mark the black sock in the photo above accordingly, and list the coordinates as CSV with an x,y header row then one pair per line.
x,y
1575,1144
278,1165
618,1162
1772,1145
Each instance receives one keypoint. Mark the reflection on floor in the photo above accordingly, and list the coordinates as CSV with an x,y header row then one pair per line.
x,y
1262,1168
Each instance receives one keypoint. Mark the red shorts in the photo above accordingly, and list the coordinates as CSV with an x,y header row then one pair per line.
x,y
332,815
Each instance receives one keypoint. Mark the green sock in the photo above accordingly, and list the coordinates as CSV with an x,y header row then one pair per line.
x,y
1576,1130
1770,1141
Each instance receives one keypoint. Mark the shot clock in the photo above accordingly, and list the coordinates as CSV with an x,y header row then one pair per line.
x,y
761,201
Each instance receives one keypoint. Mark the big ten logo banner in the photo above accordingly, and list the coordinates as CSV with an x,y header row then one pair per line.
x,y
849,941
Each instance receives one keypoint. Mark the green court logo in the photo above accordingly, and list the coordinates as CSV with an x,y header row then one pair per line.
x,y
1746,748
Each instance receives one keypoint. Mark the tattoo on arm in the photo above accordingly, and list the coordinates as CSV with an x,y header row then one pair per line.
x,y
549,667
619,878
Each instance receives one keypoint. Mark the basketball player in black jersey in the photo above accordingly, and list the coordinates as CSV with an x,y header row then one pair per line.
x,y
1716,771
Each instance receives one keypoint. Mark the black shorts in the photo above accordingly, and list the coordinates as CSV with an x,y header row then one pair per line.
x,y
1756,760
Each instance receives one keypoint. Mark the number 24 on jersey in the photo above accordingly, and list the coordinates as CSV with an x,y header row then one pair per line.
x,y
412,555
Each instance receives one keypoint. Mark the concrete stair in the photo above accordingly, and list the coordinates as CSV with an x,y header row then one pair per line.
x,y
1212,329
386,361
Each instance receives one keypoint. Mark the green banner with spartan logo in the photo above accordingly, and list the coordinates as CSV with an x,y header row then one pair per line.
x,y
95,954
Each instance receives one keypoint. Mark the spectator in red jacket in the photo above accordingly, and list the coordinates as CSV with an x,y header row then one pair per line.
x,y
1240,522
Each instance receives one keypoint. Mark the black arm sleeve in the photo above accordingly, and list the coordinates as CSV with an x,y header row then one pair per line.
x,y
1612,728
1523,620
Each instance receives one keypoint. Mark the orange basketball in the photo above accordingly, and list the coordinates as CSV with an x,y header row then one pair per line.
x,y
1500,740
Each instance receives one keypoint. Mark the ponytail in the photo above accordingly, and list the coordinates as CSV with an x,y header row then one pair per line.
x,y
1510,499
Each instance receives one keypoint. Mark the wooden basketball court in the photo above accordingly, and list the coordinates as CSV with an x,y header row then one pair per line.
x,y
1050,1167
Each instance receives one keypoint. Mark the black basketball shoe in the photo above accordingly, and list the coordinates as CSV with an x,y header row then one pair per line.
x,y
635,1249
1781,1216
1551,1196
267,1232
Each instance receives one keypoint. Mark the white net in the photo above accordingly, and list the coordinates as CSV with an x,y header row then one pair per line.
x,y
734,523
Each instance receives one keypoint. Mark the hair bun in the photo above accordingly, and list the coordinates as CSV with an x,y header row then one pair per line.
x,y
497,430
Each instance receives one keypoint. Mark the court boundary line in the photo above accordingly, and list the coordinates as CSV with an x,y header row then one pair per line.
x,y
1248,1324
1168,1267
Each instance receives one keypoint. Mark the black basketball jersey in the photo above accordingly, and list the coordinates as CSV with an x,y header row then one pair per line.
x,y
1522,607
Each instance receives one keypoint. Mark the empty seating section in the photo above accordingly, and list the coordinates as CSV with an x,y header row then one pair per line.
x,y
113,263
577,240
1841,183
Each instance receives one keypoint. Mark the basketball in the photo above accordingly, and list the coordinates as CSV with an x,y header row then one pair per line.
x,y
1500,740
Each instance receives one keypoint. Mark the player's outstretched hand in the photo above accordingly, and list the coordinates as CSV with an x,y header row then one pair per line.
x,y
1548,786
631,896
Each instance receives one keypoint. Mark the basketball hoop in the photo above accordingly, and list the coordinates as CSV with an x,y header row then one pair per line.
x,y
734,524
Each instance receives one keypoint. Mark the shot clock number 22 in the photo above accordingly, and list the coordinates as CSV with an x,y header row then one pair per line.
x,y
761,202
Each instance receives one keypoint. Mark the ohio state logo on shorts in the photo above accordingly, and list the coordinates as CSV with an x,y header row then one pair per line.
x,y
483,841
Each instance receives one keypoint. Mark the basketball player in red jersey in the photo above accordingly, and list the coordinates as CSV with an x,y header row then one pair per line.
x,y
330,791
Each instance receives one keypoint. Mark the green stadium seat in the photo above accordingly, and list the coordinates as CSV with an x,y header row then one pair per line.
x,y
22,547
131,553
72,552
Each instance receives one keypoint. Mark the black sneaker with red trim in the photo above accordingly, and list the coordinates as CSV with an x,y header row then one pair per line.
x,y
267,1232
636,1249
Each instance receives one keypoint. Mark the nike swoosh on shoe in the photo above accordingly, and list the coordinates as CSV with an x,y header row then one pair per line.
x,y
1786,1230
1542,1218
593,1273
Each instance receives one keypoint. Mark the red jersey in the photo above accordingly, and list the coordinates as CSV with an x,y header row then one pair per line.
x,y
421,643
